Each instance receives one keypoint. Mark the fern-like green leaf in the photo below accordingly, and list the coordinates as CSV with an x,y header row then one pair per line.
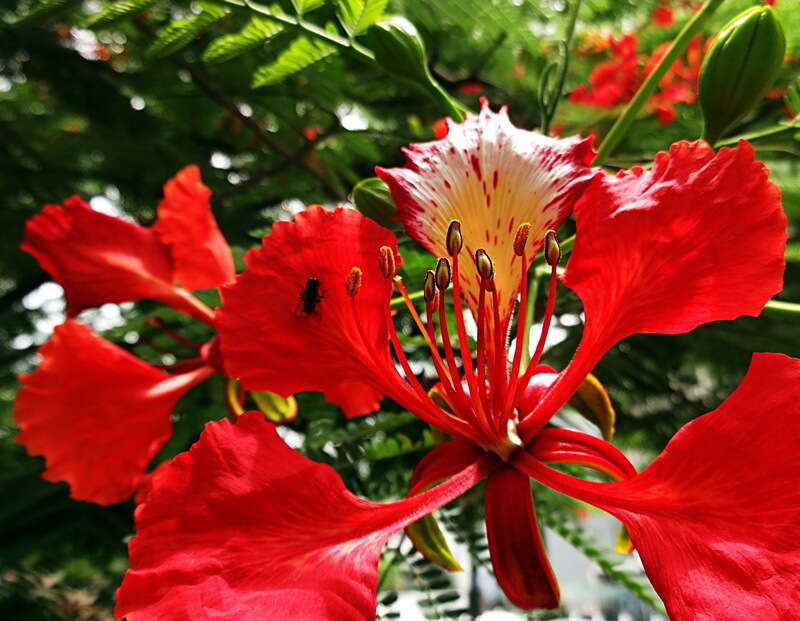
x,y
118,10
301,53
358,15
257,30
43,8
304,6
178,34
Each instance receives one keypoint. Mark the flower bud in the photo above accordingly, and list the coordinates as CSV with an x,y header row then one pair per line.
x,y
552,251
455,240
386,262
521,238
739,69
372,198
483,264
429,288
443,274
352,283
399,50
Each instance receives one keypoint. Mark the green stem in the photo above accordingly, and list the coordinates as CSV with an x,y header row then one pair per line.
x,y
562,67
771,131
782,310
678,47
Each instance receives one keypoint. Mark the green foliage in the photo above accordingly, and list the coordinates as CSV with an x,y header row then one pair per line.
x,y
118,10
358,15
178,34
301,54
256,32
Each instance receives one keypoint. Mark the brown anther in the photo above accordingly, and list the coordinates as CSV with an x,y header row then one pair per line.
x,y
429,288
352,283
521,238
454,240
552,251
386,262
443,274
484,264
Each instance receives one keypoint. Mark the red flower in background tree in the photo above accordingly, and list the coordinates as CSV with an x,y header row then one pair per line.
x,y
95,412
246,527
615,82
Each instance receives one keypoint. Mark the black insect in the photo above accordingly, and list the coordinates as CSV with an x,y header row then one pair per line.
x,y
310,298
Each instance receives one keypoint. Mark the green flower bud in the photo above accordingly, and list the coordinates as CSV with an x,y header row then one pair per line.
x,y
373,198
399,50
740,68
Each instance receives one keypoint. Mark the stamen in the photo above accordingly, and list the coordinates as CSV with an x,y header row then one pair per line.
x,y
463,344
429,288
352,283
454,240
443,275
522,327
552,256
484,264
448,346
386,262
552,251
444,375
429,292
521,238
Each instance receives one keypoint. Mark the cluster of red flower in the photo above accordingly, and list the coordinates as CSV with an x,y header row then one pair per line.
x,y
615,81
243,528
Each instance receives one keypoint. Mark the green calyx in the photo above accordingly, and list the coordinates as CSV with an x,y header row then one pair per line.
x,y
740,68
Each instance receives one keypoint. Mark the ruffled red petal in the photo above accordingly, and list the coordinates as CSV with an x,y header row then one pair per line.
x,y
96,413
242,528
201,256
698,238
715,517
491,177
98,259
518,555
279,334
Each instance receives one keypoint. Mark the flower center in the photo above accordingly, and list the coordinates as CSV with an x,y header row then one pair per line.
x,y
480,389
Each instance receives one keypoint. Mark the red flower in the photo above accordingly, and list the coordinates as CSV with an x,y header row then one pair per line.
x,y
616,81
657,251
99,259
96,413
663,18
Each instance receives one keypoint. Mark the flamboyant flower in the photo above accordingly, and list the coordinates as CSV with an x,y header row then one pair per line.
x,y
243,528
96,413
615,82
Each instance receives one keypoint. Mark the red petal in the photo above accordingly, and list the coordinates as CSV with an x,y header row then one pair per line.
x,y
492,177
201,256
96,413
355,399
100,259
518,556
715,517
442,462
700,237
242,528
270,343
